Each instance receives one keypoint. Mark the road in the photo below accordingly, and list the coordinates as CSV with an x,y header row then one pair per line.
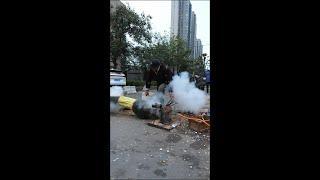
x,y
139,151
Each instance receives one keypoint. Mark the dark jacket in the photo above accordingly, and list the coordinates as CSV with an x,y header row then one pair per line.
x,y
164,75
207,73
200,83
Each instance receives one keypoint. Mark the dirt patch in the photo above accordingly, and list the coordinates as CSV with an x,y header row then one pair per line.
x,y
143,166
162,163
172,154
119,172
160,144
185,129
200,144
159,172
113,145
173,138
192,159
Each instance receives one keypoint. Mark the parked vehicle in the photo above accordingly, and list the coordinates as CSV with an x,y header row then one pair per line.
x,y
117,78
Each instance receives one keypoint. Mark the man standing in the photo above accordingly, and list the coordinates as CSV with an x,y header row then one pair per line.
x,y
207,73
160,73
200,83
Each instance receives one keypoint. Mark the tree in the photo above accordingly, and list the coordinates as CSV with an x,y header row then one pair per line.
x,y
158,49
124,23
171,51
180,54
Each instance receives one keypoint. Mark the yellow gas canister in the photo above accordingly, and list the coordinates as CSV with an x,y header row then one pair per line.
x,y
126,102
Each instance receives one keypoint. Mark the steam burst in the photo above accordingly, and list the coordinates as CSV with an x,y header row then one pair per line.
x,y
116,91
114,108
188,97
156,98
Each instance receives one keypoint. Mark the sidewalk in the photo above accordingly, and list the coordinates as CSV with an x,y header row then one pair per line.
x,y
139,151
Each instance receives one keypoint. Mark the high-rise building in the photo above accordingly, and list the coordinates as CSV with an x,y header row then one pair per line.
x,y
180,19
175,16
198,48
184,24
192,38
189,23
195,50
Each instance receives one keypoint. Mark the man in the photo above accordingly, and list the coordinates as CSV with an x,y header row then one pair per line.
x,y
160,73
199,82
207,73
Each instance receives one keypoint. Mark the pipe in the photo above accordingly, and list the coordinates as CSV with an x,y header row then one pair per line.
x,y
142,111
139,107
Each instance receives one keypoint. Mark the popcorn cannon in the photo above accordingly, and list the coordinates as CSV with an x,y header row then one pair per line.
x,y
164,112
159,113
139,107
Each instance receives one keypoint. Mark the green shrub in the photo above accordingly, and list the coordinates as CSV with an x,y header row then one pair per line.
x,y
153,83
135,83
139,83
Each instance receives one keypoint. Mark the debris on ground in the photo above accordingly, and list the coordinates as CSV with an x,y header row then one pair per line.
x,y
160,172
162,163
115,159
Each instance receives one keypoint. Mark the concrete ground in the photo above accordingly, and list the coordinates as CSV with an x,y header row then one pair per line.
x,y
139,151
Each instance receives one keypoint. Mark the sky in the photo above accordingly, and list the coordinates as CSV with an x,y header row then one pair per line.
x,y
161,17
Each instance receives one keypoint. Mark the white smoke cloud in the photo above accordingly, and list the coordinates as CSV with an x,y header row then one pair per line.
x,y
148,101
116,91
155,99
114,107
188,97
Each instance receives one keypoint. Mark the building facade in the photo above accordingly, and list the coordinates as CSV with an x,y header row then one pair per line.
x,y
184,24
192,34
180,19
175,14
198,48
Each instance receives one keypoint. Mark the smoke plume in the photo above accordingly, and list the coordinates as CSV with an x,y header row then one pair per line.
x,y
114,108
116,91
188,97
156,98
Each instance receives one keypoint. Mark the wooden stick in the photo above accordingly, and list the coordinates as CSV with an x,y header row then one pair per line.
x,y
196,119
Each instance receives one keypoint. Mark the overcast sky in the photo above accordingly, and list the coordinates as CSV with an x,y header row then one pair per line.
x,y
161,17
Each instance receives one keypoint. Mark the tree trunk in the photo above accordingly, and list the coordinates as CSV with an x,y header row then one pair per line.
x,y
118,66
114,61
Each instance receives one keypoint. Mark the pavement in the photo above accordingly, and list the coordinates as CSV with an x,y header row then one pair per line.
x,y
139,151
